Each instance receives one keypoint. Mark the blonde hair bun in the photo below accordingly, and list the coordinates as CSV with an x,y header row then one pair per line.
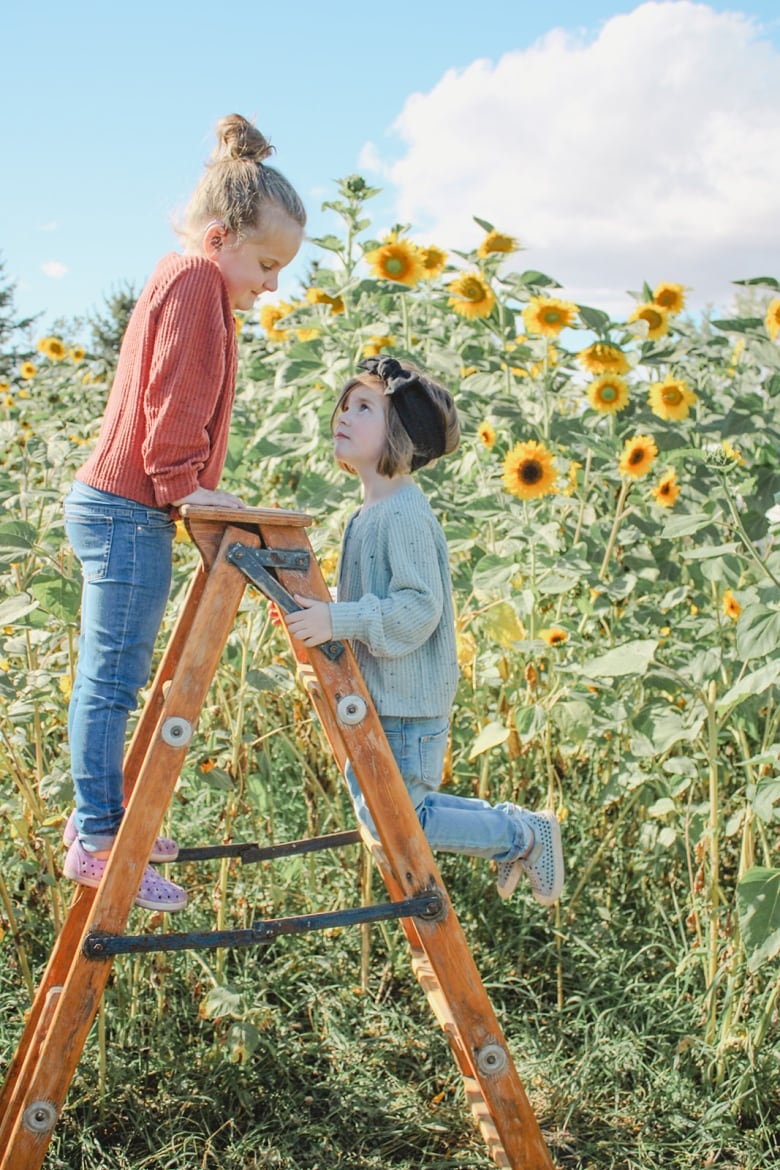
x,y
237,138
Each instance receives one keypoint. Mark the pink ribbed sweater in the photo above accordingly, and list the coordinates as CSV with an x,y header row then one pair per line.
x,y
165,428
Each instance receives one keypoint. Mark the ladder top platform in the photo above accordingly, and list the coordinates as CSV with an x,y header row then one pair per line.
x,y
206,525
222,516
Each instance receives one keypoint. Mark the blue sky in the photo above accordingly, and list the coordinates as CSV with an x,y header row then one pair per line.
x,y
620,142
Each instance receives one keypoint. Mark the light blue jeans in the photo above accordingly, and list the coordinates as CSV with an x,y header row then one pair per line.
x,y
125,554
452,824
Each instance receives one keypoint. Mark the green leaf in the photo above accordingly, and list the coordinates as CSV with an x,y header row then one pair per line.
x,y
738,324
758,632
766,797
630,658
242,1041
14,608
765,281
58,595
758,906
530,721
493,735
574,719
677,526
219,1002
329,242
595,319
17,537
752,684
483,223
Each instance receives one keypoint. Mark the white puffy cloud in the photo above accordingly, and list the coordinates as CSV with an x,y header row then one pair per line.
x,y
648,151
55,269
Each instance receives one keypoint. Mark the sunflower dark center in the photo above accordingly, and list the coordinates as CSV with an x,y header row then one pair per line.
x,y
530,471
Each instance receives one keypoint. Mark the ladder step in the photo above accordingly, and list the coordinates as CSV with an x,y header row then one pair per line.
x,y
99,945
249,852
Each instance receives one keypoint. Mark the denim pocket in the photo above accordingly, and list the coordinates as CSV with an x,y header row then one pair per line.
x,y
91,540
433,749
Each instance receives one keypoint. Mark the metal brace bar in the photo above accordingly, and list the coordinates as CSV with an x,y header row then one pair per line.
x,y
98,945
250,852
250,563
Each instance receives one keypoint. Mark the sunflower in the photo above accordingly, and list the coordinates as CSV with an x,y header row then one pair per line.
x,y
638,456
772,319
433,262
604,358
397,260
270,314
667,490
548,315
76,354
496,242
731,452
52,348
554,635
608,394
472,296
487,433
27,370
318,296
671,399
731,606
376,344
670,297
656,317
529,471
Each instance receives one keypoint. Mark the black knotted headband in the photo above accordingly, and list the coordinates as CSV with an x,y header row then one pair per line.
x,y
420,416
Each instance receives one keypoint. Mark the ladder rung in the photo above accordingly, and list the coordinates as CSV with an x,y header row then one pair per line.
x,y
250,852
104,946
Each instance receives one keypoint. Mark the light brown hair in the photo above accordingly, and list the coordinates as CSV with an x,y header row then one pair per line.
x,y
238,187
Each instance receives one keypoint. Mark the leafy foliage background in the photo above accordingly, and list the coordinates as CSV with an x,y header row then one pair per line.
x,y
620,661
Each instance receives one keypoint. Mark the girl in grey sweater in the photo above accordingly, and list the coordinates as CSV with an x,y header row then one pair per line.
x,y
394,605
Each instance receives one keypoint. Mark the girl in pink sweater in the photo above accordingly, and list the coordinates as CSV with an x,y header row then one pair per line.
x,y
162,443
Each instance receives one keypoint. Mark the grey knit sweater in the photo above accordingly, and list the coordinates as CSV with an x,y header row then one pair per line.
x,y
395,605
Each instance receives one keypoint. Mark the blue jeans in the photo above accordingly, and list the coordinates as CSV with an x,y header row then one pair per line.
x,y
452,824
125,554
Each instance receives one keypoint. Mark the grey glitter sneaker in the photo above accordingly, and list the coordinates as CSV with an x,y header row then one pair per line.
x,y
543,865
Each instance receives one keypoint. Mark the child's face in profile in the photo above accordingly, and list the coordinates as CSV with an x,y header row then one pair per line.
x,y
252,265
360,427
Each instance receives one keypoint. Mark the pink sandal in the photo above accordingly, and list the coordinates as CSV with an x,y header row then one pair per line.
x,y
155,891
164,849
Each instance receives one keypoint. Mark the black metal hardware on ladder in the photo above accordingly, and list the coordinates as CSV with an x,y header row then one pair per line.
x,y
249,852
105,946
254,563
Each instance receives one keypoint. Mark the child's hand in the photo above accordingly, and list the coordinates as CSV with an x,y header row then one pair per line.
x,y
311,623
203,497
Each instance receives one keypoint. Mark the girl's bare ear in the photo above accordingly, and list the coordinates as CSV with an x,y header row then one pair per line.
x,y
214,237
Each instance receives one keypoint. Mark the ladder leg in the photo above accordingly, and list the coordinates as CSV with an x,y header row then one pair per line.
x,y
211,610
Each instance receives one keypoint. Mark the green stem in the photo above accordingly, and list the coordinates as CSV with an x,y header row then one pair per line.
x,y
745,538
624,488
713,834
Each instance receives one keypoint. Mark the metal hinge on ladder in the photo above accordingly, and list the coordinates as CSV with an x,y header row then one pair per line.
x,y
254,563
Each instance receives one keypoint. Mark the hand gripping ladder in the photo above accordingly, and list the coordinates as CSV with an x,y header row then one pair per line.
x,y
270,549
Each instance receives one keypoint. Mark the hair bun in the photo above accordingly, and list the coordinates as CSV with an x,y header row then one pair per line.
x,y
237,138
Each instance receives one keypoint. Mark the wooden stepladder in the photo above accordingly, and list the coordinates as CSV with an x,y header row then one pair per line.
x,y
269,549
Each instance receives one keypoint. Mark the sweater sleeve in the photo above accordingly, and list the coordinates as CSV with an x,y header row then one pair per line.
x,y
409,609
186,380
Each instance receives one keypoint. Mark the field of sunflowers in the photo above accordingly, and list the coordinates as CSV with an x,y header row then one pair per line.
x,y
613,519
